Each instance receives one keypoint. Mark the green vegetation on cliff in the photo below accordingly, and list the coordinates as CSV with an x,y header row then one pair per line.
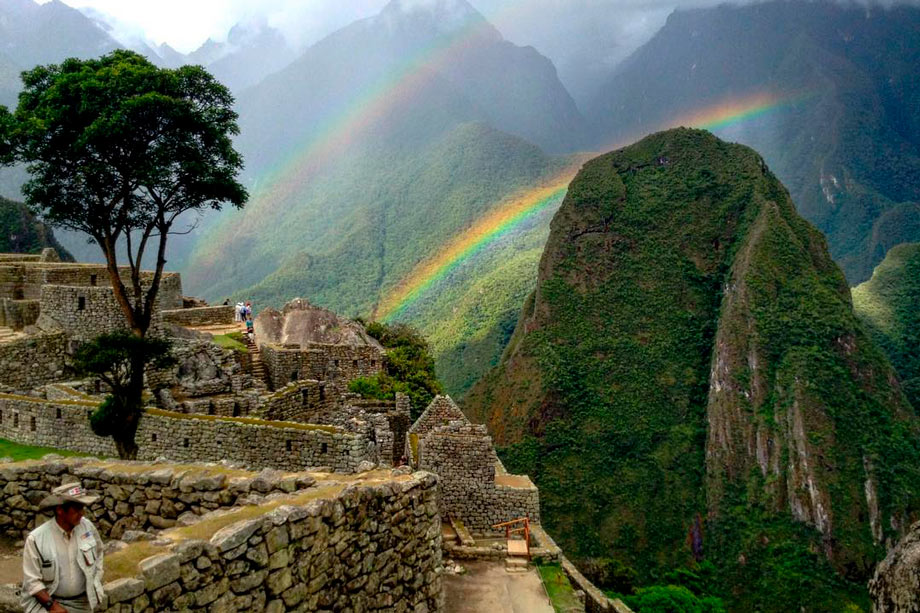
x,y
889,304
689,383
409,368
23,233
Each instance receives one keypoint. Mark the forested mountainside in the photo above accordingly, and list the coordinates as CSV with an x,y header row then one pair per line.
x,y
22,233
889,304
690,387
350,243
827,91
355,190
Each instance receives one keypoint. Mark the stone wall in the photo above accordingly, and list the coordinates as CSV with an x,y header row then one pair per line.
x,y
24,279
462,456
133,496
373,546
304,401
188,438
317,361
440,411
17,314
84,312
29,363
199,316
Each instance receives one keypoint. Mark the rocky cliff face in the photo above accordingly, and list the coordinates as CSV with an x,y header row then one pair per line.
x,y
895,588
691,352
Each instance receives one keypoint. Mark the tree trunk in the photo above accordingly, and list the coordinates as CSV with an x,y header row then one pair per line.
x,y
124,437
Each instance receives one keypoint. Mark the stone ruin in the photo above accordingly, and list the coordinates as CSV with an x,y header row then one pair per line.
x,y
279,404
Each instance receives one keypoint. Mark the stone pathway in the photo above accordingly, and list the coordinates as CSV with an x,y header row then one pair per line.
x,y
488,587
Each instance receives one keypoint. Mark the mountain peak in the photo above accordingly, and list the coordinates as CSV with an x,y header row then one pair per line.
x,y
442,16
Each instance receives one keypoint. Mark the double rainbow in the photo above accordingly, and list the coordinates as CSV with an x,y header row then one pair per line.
x,y
506,216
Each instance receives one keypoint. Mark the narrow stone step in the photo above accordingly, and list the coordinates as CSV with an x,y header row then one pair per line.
x,y
516,565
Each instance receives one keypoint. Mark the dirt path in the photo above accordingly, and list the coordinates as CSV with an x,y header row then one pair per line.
x,y
10,562
487,586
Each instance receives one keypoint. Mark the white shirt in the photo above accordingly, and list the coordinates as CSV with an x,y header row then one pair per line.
x,y
72,581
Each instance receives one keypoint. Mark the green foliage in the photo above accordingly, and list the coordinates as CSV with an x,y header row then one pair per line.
x,y
889,305
559,588
409,368
120,149
119,359
23,233
671,599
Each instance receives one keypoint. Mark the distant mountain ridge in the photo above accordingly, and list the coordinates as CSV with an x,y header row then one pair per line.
x,y
849,150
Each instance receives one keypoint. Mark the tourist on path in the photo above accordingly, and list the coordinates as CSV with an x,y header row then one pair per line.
x,y
62,559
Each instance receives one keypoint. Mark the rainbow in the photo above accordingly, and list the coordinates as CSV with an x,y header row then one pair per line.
x,y
497,223
506,216
388,92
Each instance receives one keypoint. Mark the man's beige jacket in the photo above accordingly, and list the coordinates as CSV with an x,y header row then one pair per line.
x,y
41,569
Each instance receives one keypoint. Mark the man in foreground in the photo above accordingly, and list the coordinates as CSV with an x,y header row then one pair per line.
x,y
62,560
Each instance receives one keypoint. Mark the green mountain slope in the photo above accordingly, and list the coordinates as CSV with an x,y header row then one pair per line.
x,y
889,305
824,91
22,233
349,242
689,384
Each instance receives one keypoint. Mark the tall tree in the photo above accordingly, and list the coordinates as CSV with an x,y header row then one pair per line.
x,y
120,149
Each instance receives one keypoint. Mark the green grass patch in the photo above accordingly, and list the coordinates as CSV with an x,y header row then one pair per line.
x,y
290,425
29,452
560,591
233,340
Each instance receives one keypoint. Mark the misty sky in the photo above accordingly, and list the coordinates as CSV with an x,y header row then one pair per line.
x,y
582,37
186,24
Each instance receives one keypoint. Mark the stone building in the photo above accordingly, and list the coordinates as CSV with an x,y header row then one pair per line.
x,y
473,485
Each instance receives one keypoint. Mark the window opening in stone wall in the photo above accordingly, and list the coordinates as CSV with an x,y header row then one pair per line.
x,y
1,417
153,437
373,363
211,408
304,396
89,414
81,303
288,445
322,392
236,409
18,294
354,363
295,375
336,362
325,447
185,442
92,280
32,423
15,420
59,413
97,386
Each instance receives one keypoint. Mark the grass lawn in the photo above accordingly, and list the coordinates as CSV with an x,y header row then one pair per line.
x,y
558,587
9,449
233,340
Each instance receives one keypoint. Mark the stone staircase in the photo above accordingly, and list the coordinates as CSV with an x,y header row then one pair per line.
x,y
8,334
258,367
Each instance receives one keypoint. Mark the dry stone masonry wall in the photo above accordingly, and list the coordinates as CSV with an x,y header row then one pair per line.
x,y
462,456
321,362
188,438
31,362
199,316
368,547
134,496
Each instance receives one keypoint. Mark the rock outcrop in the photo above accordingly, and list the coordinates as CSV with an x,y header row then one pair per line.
x,y
896,585
301,323
689,381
